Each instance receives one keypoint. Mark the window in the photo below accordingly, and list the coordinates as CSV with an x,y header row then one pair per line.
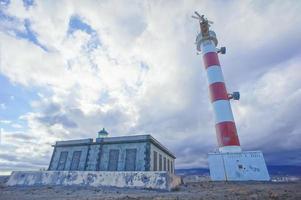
x,y
130,159
171,166
164,164
113,160
168,165
155,161
62,160
75,160
160,162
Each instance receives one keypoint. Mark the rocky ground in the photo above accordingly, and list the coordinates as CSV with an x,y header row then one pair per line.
x,y
197,190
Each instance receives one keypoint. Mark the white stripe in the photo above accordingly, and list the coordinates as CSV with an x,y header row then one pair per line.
x,y
207,46
226,149
214,74
222,111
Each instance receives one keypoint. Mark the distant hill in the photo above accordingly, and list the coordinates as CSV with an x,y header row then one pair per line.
x,y
273,170
192,171
285,170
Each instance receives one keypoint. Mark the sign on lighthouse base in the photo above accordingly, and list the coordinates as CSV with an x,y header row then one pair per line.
x,y
238,166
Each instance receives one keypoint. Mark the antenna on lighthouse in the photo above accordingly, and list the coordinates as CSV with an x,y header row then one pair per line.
x,y
205,34
201,18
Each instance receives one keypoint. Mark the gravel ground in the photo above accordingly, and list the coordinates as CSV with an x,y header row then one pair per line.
x,y
199,190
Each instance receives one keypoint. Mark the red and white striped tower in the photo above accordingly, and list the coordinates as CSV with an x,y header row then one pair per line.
x,y
230,163
224,122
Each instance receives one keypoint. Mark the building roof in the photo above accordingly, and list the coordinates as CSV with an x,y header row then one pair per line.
x,y
116,140
103,132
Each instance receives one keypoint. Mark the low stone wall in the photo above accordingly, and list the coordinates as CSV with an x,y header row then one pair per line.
x,y
150,180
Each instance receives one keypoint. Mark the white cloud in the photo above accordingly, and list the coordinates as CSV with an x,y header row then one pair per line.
x,y
3,106
18,126
5,121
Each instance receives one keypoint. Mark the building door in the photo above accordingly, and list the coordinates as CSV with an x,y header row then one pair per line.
x,y
62,160
130,159
113,160
75,160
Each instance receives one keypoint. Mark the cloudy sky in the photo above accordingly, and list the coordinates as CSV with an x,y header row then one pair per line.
x,y
69,68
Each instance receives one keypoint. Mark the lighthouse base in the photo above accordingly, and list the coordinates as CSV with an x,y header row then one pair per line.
x,y
238,166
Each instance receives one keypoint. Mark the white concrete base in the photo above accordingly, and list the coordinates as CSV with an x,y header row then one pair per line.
x,y
150,180
238,166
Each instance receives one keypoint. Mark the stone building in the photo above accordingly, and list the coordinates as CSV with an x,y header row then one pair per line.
x,y
127,153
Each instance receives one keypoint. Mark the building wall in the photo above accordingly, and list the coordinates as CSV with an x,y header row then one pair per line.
x,y
159,163
99,156
70,149
121,148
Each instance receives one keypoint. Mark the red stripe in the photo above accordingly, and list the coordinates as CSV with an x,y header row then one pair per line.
x,y
226,134
218,91
210,59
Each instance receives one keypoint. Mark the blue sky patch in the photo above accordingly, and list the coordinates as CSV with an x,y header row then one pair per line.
x,y
76,23
4,3
14,101
30,35
28,3
5,17
7,23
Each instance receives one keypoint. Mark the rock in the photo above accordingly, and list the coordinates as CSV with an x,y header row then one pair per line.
x,y
254,196
273,195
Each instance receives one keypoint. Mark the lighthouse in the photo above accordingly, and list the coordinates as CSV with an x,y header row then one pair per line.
x,y
229,163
